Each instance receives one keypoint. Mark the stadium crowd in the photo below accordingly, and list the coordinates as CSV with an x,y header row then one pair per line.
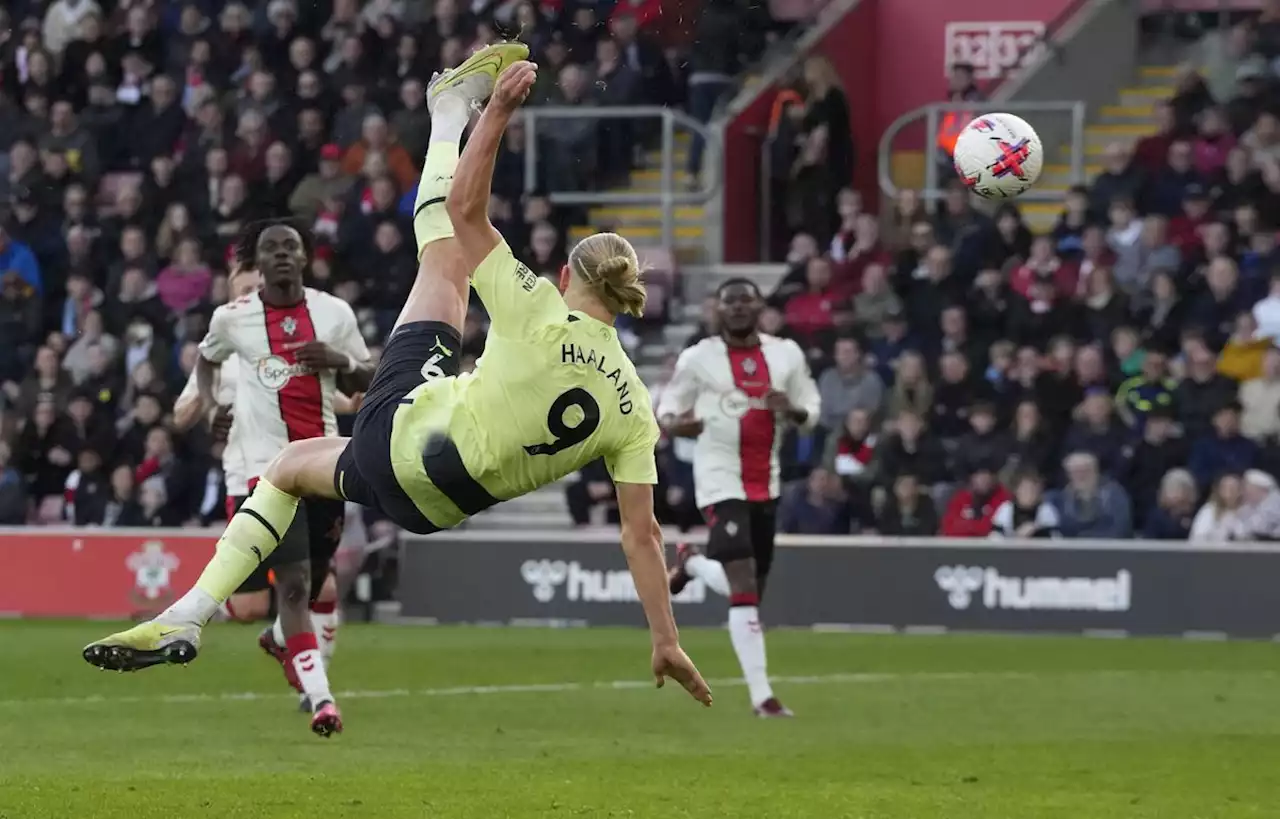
x,y
1116,377
137,139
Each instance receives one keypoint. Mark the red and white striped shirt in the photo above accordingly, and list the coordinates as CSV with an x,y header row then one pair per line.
x,y
278,400
736,456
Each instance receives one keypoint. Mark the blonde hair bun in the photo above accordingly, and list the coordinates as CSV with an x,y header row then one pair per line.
x,y
608,265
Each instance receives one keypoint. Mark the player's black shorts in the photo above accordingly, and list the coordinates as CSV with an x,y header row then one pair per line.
x,y
415,353
314,535
741,529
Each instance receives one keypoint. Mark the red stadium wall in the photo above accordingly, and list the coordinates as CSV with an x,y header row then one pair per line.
x,y
892,56
850,45
118,574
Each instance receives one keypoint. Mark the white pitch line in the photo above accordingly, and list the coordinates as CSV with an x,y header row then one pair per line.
x,y
859,678
486,690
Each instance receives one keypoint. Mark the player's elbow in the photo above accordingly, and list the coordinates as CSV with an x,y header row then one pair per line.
x,y
464,207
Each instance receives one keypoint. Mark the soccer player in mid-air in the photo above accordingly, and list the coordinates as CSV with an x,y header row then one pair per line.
x,y
553,391
248,448
735,392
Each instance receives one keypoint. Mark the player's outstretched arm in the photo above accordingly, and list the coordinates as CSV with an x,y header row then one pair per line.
x,y
468,199
642,543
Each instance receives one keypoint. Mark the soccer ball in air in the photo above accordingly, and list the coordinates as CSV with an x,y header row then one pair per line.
x,y
998,156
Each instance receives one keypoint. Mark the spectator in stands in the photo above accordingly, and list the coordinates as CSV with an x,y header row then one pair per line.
x,y
849,385
1175,508
1202,390
1031,446
1121,180
984,443
1214,141
911,450
1150,390
971,511
16,257
908,511
1260,399
1158,452
1223,449
911,391
1260,512
1171,183
1220,520
1242,357
815,506
13,490
1026,514
1098,433
954,395
1091,505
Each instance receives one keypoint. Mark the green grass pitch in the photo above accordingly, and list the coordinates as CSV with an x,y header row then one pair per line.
x,y
496,723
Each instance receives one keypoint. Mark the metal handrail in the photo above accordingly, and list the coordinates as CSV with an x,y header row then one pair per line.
x,y
666,197
930,112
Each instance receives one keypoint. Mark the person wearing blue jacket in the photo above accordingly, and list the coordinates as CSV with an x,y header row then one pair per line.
x,y
16,256
1091,506
1222,449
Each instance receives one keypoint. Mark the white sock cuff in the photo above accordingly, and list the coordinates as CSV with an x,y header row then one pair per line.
x,y
449,118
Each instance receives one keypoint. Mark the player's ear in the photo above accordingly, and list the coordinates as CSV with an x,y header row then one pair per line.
x,y
564,278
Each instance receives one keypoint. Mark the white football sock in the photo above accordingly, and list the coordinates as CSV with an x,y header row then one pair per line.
x,y
326,628
309,666
196,607
277,633
708,571
449,118
747,636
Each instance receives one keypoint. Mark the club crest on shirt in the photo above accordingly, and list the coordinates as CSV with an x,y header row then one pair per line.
x,y
289,325
749,366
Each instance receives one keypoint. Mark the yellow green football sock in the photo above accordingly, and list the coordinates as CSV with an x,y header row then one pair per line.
x,y
250,538
430,219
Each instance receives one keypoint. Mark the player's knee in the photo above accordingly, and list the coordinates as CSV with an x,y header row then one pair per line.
x,y
282,472
293,584
741,574
249,608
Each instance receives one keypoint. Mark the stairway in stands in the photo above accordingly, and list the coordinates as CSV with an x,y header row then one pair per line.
x,y
643,224
1132,118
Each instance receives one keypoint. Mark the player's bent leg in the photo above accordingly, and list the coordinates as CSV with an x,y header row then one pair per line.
x,y
441,290
303,467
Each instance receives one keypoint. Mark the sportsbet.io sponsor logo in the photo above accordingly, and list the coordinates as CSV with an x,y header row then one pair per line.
x,y
583,585
274,372
965,584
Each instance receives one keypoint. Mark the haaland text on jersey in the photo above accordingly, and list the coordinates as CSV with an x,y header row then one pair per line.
x,y
573,354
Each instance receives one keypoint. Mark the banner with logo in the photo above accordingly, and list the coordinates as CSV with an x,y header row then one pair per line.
x,y
1121,587
100,573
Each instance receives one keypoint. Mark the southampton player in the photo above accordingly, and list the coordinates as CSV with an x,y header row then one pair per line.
x,y
553,391
292,342
733,392
252,602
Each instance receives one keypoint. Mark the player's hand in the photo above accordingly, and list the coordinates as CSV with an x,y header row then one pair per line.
x,y
220,422
514,85
684,426
317,355
671,661
777,401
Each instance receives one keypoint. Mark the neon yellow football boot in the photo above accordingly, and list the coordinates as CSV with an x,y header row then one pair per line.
x,y
145,645
474,79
